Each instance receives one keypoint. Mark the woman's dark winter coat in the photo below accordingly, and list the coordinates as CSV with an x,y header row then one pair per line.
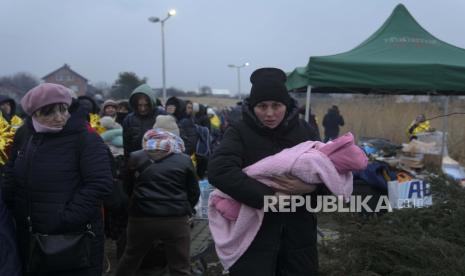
x,y
201,118
188,134
289,237
164,187
9,258
66,175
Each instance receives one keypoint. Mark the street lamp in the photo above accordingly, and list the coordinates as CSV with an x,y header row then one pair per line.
x,y
238,67
153,19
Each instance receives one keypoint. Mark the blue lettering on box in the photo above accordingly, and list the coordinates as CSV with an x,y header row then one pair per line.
x,y
415,188
426,189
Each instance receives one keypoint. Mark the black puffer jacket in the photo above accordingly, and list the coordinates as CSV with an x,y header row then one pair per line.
x,y
247,142
67,178
166,187
331,122
188,134
134,128
291,237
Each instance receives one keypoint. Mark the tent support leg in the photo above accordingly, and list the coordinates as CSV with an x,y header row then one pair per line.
x,y
307,104
444,127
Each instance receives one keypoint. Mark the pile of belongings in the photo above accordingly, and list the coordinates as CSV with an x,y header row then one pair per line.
x,y
379,146
423,151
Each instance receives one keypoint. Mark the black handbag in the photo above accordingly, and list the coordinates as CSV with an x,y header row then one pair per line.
x,y
59,252
56,252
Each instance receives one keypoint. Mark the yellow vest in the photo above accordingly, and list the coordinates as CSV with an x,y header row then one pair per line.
x,y
422,127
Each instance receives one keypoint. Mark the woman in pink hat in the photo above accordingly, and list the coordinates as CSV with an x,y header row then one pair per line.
x,y
56,180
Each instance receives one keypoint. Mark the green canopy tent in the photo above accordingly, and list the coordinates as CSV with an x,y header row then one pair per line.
x,y
400,57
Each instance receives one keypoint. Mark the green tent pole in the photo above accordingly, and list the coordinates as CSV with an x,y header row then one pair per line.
x,y
307,103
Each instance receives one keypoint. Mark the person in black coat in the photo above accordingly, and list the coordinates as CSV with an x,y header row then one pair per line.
x,y
9,258
201,117
182,112
122,111
58,175
285,242
140,120
331,122
163,196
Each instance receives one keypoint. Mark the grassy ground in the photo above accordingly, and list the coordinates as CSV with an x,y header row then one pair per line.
x,y
427,241
383,117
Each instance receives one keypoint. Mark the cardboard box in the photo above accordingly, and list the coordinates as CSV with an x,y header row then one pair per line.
x,y
411,194
432,161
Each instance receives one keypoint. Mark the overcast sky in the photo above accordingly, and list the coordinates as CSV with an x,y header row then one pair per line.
x,y
101,38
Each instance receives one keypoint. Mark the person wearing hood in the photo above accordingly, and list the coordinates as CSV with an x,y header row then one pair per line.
x,y
8,111
331,123
55,181
175,107
140,119
182,112
122,111
109,108
201,117
91,109
9,122
270,123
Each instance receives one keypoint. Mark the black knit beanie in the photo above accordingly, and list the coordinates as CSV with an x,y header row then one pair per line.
x,y
268,84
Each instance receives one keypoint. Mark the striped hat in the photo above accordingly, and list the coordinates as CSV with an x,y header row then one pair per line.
x,y
161,140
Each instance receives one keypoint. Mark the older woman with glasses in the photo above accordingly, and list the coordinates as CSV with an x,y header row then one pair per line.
x,y
57,177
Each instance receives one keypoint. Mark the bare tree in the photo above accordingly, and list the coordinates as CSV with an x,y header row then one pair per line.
x,y
22,81
125,84
205,90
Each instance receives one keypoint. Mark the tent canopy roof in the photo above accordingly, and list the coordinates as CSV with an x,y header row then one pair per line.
x,y
400,56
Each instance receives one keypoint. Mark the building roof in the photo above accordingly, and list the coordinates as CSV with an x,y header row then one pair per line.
x,y
65,66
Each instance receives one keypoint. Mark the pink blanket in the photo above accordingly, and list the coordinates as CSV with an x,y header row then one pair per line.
x,y
234,225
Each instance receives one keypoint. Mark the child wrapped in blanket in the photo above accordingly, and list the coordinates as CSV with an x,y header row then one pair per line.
x,y
234,225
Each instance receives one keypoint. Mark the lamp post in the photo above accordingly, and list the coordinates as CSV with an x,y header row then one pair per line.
x,y
238,67
153,19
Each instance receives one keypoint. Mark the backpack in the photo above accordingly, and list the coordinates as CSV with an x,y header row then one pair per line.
x,y
202,148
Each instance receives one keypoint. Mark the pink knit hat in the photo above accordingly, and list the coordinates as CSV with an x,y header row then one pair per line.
x,y
45,94
345,155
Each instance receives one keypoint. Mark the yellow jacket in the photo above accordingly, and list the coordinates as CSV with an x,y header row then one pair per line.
x,y
6,139
215,121
95,123
420,128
